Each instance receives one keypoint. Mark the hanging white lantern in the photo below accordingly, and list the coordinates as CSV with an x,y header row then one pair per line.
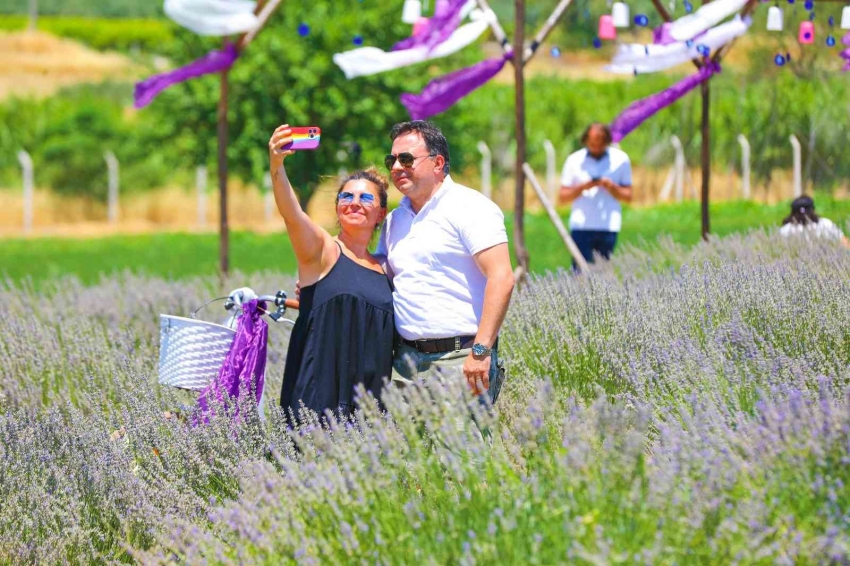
x,y
845,18
620,13
412,11
774,18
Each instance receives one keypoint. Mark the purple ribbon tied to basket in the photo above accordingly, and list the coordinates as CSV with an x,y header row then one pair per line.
x,y
243,371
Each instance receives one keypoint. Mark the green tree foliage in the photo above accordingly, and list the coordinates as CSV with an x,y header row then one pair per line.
x,y
285,78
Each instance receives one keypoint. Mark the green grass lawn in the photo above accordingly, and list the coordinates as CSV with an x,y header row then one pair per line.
x,y
175,255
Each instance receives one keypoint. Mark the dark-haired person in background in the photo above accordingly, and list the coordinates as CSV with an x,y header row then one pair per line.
x,y
804,221
596,180
447,255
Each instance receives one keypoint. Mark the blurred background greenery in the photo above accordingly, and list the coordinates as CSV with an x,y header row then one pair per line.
x,y
286,78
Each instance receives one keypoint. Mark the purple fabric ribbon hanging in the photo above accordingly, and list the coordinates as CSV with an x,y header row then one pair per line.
x,y
441,93
441,25
245,365
661,34
213,62
641,110
845,54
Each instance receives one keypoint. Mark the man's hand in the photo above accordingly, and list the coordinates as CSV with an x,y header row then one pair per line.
x,y
608,184
476,369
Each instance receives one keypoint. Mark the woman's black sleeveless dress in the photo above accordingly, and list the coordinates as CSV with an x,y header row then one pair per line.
x,y
343,337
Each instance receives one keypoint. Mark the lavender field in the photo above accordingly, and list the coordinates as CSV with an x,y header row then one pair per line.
x,y
677,406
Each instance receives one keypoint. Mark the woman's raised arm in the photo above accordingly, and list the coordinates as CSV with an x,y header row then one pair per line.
x,y
309,240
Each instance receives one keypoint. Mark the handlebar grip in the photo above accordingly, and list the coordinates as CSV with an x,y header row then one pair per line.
x,y
292,304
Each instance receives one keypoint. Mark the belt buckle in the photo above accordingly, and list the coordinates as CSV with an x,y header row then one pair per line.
x,y
457,343
420,345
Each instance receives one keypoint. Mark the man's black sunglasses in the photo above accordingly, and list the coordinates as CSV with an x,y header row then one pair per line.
x,y
406,159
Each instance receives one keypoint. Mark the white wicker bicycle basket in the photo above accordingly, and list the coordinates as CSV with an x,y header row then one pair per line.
x,y
191,351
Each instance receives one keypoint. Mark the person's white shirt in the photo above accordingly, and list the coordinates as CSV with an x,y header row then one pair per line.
x,y
596,208
438,289
823,228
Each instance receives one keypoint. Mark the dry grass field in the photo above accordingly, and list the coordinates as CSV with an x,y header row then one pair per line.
x,y
38,64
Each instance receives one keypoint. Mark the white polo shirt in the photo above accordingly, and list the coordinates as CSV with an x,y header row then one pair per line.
x,y
596,208
438,288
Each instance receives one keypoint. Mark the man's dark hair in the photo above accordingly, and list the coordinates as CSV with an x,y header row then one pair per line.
x,y
605,130
435,141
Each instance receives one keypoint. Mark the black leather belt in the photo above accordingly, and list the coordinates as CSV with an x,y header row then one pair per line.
x,y
437,345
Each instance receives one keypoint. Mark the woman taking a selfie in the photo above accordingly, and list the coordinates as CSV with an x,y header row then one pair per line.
x,y
344,333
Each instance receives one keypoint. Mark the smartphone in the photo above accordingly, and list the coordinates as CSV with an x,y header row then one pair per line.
x,y
304,138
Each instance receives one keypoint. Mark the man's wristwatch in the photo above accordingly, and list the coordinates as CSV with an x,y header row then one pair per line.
x,y
480,349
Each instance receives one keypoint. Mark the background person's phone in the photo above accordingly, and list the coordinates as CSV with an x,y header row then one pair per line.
x,y
304,138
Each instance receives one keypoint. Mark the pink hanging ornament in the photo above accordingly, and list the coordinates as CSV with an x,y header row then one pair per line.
x,y
606,27
807,33
420,26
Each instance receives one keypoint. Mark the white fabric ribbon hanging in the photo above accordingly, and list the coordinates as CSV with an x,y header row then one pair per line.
x,y
708,15
372,60
636,58
213,17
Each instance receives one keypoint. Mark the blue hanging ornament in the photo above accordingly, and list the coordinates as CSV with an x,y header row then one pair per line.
x,y
303,30
831,21
830,41
790,1
690,7
358,40
779,60
597,43
641,20
555,51
809,5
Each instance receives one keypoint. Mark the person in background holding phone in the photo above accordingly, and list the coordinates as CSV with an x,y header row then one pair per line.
x,y
596,180
447,255
344,333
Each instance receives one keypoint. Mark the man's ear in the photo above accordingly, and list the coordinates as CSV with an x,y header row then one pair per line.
x,y
439,162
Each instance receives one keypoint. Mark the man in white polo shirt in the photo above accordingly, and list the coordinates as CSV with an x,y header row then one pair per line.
x,y
596,180
447,255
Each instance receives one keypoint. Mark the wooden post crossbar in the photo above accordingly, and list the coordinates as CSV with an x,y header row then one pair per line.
x,y
528,52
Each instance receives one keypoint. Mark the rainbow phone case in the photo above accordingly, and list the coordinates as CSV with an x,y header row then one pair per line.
x,y
304,138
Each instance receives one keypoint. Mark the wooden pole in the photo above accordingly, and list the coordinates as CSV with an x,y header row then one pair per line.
x,y
264,12
522,56
519,89
706,157
224,235
33,15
